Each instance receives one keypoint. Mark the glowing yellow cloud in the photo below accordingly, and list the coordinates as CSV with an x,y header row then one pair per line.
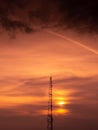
x,y
60,111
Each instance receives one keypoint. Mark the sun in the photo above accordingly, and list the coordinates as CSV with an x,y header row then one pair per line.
x,y
61,103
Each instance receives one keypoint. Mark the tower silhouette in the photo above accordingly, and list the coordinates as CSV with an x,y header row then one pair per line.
x,y
50,107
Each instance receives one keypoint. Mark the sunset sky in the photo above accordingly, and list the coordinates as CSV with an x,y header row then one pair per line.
x,y
27,61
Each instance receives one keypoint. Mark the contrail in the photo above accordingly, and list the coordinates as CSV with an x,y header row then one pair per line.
x,y
73,41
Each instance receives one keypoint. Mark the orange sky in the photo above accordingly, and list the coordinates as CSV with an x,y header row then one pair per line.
x,y
26,64
42,54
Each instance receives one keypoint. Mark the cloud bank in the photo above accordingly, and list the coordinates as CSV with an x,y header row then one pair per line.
x,y
31,15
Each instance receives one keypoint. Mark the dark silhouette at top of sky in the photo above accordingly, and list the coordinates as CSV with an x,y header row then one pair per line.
x,y
28,16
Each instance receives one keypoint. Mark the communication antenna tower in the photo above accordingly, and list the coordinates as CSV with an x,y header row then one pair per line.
x,y
50,107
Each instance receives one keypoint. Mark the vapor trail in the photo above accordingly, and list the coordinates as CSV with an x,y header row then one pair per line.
x,y
73,41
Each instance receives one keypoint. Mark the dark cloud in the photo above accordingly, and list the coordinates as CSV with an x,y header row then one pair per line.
x,y
23,86
83,110
76,123
80,14
11,120
31,15
39,86
73,79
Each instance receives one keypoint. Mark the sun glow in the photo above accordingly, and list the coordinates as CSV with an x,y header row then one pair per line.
x,y
61,111
61,103
57,111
